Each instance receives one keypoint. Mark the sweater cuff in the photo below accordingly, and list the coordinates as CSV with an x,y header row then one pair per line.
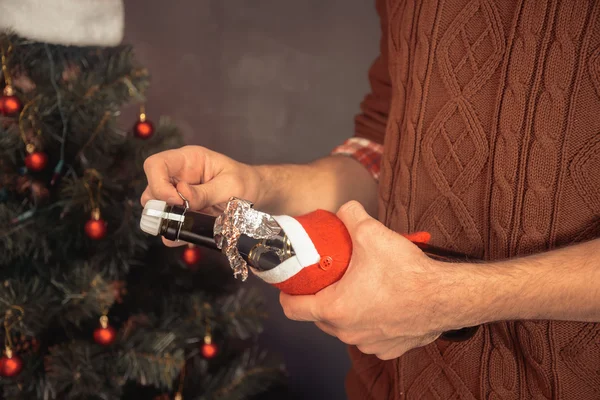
x,y
365,151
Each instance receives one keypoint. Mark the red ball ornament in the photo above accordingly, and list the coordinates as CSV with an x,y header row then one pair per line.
x,y
36,161
10,105
105,335
209,349
191,255
143,129
10,365
95,228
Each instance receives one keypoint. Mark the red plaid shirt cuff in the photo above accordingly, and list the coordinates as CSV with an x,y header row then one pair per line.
x,y
365,151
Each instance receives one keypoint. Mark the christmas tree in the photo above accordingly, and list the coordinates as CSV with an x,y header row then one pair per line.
x,y
91,306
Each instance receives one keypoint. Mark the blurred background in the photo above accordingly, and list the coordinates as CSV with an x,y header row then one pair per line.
x,y
263,81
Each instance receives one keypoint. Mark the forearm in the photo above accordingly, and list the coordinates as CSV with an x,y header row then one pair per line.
x,y
562,284
324,184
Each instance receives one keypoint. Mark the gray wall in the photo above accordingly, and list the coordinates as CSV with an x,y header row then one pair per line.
x,y
263,81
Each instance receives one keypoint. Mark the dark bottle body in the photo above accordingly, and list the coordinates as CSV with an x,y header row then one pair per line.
x,y
198,228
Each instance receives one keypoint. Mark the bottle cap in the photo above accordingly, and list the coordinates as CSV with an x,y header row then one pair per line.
x,y
152,216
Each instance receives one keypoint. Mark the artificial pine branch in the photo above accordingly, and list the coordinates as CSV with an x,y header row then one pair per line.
x,y
85,293
30,301
78,370
63,280
248,374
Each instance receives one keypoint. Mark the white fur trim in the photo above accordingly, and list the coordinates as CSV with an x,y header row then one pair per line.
x,y
306,253
301,243
280,273
66,22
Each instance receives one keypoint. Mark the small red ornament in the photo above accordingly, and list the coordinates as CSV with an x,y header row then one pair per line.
x,y
209,349
191,255
10,105
10,365
95,228
105,335
36,161
143,129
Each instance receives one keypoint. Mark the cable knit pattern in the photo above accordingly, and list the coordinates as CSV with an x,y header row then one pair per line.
x,y
511,120
492,144
457,125
402,14
549,123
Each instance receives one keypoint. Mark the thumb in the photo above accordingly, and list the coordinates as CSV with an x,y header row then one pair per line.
x,y
207,194
352,214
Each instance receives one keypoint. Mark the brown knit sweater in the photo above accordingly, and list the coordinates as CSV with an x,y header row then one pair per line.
x,y
489,111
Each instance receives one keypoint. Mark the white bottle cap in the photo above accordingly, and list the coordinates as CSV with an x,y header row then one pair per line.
x,y
152,216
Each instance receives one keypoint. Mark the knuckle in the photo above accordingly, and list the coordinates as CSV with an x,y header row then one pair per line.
x,y
366,230
335,311
288,312
199,196
349,207
366,349
346,337
192,148
149,162
386,356
237,181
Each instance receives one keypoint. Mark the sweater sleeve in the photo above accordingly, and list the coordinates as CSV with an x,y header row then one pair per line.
x,y
371,122
366,146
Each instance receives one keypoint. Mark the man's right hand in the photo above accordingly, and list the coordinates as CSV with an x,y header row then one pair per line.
x,y
205,178
208,180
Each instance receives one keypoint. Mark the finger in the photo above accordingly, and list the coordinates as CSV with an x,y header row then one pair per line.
x,y
400,348
352,214
172,243
327,328
146,195
300,308
216,191
378,347
160,168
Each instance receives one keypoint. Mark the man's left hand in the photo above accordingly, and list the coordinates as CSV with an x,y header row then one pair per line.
x,y
392,298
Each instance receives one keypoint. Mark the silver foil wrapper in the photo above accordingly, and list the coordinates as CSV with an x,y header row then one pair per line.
x,y
239,218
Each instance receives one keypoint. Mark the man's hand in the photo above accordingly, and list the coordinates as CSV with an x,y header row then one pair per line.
x,y
208,179
394,298
391,299
205,178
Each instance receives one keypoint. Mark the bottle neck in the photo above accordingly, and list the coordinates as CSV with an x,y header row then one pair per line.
x,y
189,226
198,228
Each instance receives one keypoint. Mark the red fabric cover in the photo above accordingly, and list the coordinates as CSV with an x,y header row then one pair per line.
x,y
331,239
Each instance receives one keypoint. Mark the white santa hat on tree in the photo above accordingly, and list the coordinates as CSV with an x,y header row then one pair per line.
x,y
65,22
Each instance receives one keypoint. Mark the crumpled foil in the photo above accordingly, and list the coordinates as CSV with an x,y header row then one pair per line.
x,y
239,218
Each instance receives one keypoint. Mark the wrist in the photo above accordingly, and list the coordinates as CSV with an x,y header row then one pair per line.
x,y
272,193
484,293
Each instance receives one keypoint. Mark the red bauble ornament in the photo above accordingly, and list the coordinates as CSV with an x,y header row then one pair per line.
x,y
143,129
191,255
36,161
105,335
10,105
10,365
209,349
95,228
